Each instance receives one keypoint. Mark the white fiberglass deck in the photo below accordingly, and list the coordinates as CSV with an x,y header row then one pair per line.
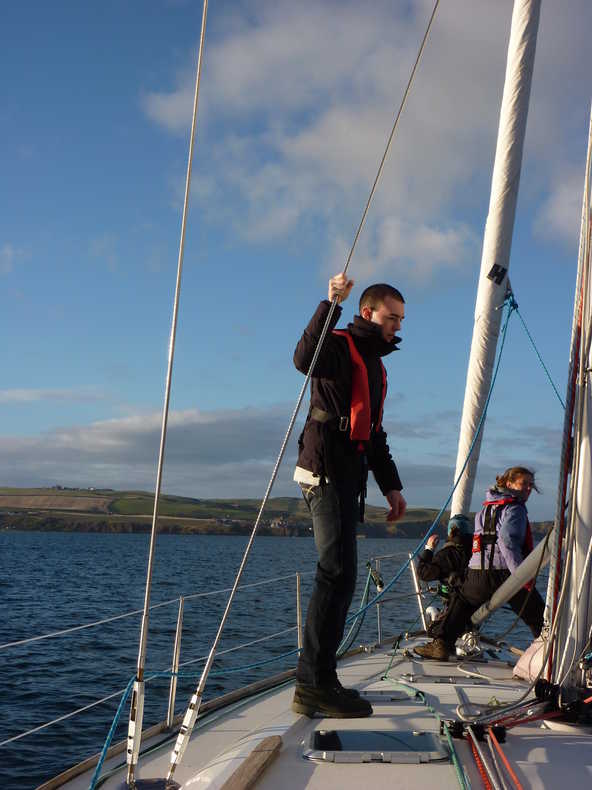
x,y
541,758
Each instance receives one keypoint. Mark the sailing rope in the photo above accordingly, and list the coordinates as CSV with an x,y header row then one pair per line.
x,y
415,694
356,626
195,703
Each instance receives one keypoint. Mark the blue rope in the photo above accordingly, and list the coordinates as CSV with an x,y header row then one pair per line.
x,y
110,734
356,626
461,776
540,358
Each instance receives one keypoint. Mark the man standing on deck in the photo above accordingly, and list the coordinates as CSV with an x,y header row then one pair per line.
x,y
342,438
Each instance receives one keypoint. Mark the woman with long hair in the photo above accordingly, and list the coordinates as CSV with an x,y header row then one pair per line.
x,y
501,541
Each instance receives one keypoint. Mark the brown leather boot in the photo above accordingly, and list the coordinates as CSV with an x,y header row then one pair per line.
x,y
436,650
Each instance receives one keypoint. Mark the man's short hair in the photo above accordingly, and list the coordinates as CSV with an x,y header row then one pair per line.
x,y
375,295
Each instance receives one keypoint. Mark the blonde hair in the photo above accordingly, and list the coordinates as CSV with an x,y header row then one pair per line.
x,y
512,474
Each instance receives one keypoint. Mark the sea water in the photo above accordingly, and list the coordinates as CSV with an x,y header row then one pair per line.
x,y
54,581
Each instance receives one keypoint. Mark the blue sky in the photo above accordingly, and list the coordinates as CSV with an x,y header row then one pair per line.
x,y
296,104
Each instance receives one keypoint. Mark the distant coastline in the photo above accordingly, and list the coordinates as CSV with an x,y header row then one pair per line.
x,y
62,509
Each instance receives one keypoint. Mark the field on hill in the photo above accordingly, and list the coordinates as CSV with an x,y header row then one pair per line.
x,y
105,510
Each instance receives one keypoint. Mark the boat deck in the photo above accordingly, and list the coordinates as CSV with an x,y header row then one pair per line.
x,y
221,751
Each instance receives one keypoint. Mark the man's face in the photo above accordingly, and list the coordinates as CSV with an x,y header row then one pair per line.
x,y
389,316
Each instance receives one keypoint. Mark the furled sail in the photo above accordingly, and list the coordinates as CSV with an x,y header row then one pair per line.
x,y
497,240
575,614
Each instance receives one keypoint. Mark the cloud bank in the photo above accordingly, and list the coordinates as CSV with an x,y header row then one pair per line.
x,y
231,453
298,101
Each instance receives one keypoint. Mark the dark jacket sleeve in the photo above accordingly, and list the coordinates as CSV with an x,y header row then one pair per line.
x,y
427,569
381,463
440,565
327,365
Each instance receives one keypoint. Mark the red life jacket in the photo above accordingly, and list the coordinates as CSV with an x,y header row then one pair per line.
x,y
360,420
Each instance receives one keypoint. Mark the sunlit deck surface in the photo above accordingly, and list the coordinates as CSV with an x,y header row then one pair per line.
x,y
221,747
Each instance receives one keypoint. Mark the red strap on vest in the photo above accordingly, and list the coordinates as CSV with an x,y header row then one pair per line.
x,y
507,501
528,544
360,418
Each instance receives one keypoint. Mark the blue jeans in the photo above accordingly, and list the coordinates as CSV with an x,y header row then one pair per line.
x,y
335,512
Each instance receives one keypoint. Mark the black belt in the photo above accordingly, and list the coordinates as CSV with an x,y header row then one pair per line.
x,y
323,416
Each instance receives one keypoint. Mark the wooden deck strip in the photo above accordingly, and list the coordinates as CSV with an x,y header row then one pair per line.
x,y
247,774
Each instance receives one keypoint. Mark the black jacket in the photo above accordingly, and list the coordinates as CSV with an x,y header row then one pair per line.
x,y
453,557
323,448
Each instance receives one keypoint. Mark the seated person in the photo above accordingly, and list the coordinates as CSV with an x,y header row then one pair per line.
x,y
453,557
501,542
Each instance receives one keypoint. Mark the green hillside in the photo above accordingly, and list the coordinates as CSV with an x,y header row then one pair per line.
x,y
106,510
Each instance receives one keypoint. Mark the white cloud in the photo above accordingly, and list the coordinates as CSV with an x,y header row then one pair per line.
x,y
298,99
231,453
416,250
35,395
171,110
559,215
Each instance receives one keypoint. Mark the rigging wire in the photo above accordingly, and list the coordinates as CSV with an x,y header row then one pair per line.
x,y
379,597
137,701
392,134
195,703
559,398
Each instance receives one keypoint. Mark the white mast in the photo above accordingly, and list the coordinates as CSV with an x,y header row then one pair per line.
x,y
497,240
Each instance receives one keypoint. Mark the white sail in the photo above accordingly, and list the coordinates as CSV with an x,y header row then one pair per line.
x,y
497,240
576,620
574,362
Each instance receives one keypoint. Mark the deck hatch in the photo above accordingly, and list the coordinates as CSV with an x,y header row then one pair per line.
x,y
375,746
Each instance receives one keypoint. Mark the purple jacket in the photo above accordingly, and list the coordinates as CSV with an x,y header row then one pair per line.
x,y
510,524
